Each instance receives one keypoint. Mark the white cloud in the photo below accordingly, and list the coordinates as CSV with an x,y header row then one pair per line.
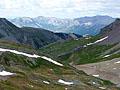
x,y
58,8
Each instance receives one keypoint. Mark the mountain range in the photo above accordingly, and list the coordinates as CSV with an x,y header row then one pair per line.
x,y
36,37
32,58
81,26
95,55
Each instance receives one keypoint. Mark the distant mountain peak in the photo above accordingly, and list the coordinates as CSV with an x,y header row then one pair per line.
x,y
6,24
81,26
3,20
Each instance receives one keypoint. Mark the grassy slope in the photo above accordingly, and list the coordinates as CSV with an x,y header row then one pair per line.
x,y
67,51
59,48
73,51
32,72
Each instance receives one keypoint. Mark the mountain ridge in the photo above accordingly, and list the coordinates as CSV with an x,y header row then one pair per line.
x,y
24,65
112,31
81,26
35,37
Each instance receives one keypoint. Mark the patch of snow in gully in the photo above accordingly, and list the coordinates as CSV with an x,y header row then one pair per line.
x,y
5,73
31,56
50,60
102,88
96,75
46,82
64,82
117,62
100,40
107,56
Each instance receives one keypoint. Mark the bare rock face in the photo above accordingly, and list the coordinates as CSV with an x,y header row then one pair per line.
x,y
113,33
31,36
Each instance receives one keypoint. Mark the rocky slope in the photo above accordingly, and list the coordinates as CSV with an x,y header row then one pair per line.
x,y
53,67
18,71
36,37
98,56
69,36
113,33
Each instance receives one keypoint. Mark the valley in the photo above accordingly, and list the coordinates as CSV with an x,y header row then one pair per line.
x,y
60,45
37,59
97,56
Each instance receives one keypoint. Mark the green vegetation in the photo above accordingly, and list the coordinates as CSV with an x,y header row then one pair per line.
x,y
86,55
16,46
60,48
31,72
73,51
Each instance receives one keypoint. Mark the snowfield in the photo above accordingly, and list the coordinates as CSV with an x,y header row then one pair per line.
x,y
31,56
100,40
20,53
50,60
5,73
64,82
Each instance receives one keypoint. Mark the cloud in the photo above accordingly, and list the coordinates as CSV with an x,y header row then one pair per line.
x,y
58,8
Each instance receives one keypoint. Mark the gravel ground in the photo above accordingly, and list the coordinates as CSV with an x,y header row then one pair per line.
x,y
107,70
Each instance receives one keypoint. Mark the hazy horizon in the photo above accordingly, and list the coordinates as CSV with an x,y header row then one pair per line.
x,y
56,17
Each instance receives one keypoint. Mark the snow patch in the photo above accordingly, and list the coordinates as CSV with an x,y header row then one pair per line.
x,y
46,82
94,83
114,68
102,88
90,44
86,35
50,60
96,75
5,73
64,82
31,56
87,38
20,53
76,39
85,46
117,62
107,56
100,40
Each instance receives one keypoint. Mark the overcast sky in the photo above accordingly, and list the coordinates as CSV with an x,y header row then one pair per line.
x,y
59,8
